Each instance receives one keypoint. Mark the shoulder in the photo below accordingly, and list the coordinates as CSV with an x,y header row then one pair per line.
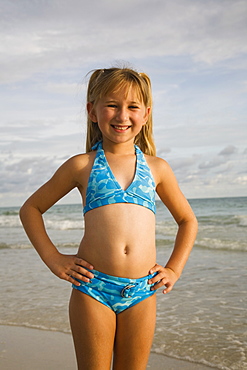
x,y
168,189
160,168
75,168
80,161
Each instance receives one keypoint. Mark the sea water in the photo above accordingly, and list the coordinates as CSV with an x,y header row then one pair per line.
x,y
202,320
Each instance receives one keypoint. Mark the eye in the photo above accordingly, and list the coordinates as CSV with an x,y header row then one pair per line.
x,y
112,105
133,107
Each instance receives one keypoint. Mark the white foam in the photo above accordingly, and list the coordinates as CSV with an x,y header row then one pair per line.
x,y
55,224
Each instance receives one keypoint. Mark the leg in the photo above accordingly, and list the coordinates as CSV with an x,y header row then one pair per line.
x,y
93,328
134,335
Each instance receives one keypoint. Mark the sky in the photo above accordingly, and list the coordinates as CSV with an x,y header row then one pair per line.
x,y
195,52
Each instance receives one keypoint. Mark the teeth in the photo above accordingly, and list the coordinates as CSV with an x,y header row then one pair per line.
x,y
121,128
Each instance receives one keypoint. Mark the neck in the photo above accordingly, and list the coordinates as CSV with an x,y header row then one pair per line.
x,y
118,148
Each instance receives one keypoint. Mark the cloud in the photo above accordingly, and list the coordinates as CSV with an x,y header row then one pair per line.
x,y
215,162
182,163
206,172
242,180
21,177
43,36
229,150
163,152
25,175
63,88
194,52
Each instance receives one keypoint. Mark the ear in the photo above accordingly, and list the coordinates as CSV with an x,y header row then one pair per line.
x,y
147,113
91,112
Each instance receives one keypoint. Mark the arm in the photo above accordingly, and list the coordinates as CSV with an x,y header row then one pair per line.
x,y
66,267
172,197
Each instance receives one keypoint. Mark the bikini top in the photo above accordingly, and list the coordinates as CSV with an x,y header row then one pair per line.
x,y
104,189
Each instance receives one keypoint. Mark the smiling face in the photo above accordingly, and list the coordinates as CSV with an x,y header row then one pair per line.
x,y
123,90
120,115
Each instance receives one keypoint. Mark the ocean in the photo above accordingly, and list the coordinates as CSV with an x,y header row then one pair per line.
x,y
203,320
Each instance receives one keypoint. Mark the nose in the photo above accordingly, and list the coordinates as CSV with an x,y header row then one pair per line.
x,y
122,115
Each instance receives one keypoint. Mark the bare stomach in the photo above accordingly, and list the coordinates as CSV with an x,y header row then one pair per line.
x,y
119,240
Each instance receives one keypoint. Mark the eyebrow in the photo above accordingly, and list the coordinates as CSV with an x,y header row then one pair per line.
x,y
115,100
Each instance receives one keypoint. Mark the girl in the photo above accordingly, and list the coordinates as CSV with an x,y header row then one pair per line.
x,y
114,274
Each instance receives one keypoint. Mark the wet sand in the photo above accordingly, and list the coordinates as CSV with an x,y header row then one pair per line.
x,y
28,349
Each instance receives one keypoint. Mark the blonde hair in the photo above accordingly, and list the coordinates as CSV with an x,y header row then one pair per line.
x,y
104,81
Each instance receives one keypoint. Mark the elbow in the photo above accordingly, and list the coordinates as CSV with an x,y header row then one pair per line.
x,y
195,224
194,227
190,222
25,211
22,212
194,221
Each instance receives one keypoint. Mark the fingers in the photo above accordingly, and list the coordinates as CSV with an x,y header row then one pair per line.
x,y
79,270
75,275
83,263
70,268
156,268
162,284
82,267
70,279
164,278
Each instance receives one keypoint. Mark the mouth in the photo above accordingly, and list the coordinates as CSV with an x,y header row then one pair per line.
x,y
120,128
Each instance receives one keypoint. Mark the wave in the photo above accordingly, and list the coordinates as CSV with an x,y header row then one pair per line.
x,y
221,245
241,220
161,351
164,242
226,220
12,221
29,246
161,243
33,326
208,243
10,213
64,224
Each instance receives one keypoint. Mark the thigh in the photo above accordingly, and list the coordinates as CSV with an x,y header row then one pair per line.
x,y
93,328
134,335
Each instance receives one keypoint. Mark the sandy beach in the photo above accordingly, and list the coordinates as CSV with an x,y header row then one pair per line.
x,y
28,349
201,321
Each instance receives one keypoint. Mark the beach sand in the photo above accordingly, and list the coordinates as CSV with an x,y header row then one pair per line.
x,y
31,349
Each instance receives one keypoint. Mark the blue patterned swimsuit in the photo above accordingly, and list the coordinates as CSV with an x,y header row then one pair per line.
x,y
103,189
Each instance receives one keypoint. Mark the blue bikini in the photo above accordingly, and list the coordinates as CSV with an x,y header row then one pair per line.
x,y
115,292
103,189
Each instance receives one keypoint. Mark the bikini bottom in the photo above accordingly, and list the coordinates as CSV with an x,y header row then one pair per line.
x,y
117,293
